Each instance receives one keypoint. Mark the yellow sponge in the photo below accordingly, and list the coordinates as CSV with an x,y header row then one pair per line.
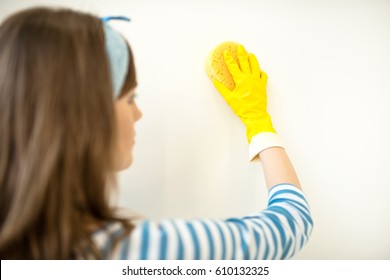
x,y
216,67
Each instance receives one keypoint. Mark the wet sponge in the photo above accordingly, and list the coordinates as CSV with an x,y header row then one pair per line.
x,y
216,67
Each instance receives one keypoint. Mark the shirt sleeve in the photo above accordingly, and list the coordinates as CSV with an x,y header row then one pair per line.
x,y
277,232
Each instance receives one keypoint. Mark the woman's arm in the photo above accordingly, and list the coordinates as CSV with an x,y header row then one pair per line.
x,y
278,168
248,101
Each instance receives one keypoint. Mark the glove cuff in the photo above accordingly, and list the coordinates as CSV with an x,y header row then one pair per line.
x,y
262,141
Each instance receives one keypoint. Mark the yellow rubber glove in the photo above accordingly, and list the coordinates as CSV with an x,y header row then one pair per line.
x,y
248,99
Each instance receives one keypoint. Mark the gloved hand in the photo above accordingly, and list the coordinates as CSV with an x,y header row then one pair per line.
x,y
248,99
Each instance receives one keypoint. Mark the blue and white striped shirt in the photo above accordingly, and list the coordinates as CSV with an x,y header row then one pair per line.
x,y
277,232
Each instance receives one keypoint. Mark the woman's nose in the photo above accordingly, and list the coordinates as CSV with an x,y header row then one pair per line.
x,y
138,113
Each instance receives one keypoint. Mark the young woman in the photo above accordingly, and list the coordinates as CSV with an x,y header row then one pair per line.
x,y
67,115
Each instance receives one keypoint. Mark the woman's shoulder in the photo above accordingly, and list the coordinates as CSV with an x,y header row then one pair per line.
x,y
127,217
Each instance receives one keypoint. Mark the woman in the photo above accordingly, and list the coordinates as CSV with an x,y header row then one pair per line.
x,y
67,115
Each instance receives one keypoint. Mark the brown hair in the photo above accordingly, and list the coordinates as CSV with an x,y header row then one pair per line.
x,y
57,134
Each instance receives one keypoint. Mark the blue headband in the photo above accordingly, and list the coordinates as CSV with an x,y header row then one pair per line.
x,y
118,54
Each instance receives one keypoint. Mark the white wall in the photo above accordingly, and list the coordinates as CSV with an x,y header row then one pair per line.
x,y
328,64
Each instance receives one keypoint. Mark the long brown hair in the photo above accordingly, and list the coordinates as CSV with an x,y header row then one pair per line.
x,y
57,134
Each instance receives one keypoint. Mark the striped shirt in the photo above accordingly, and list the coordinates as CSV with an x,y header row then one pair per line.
x,y
277,232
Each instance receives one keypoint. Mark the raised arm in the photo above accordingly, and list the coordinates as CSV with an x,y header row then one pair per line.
x,y
248,100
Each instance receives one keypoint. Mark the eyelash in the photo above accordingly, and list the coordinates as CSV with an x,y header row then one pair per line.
x,y
131,99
